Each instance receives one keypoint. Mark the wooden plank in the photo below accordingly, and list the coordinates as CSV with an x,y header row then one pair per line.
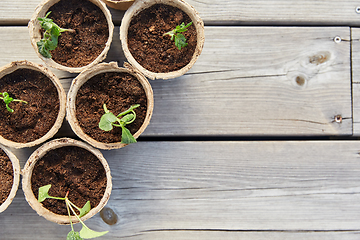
x,y
355,56
220,190
260,81
243,12
248,81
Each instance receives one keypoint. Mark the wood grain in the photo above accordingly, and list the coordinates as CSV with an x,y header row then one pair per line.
x,y
239,12
355,61
220,190
260,81
256,81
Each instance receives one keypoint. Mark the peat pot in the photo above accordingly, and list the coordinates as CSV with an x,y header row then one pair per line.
x,y
147,48
117,88
42,111
89,38
69,166
119,4
9,176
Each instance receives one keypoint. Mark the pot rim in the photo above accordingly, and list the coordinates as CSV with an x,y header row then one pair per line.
x,y
120,5
35,36
140,5
16,178
86,75
13,66
38,154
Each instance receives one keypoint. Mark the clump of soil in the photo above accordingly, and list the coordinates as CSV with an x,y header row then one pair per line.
x,y
72,169
29,121
119,91
155,52
6,176
86,44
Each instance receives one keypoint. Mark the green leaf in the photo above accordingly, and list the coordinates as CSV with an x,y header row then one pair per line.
x,y
73,236
188,25
106,121
182,27
128,110
47,25
180,41
126,136
85,209
44,192
43,48
127,118
86,233
51,45
49,41
7,98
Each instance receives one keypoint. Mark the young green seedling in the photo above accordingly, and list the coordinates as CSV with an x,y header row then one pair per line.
x,y
180,40
52,32
108,120
85,232
7,99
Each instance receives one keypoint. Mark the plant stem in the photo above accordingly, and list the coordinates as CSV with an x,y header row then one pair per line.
x,y
67,206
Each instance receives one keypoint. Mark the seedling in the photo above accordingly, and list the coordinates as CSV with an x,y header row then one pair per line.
x,y
180,40
7,99
108,121
85,232
52,32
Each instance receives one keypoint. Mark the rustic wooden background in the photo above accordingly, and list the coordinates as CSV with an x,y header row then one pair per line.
x,y
247,145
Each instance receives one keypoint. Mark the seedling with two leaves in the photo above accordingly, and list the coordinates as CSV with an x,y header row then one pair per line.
x,y
7,99
180,40
85,232
108,121
51,35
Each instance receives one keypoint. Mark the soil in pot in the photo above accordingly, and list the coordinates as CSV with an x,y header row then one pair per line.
x,y
91,32
119,91
72,169
29,121
152,50
6,176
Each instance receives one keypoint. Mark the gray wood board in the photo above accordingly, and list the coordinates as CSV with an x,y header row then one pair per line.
x,y
261,12
248,81
355,61
219,190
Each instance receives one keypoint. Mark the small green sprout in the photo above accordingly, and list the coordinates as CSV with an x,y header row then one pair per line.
x,y
7,99
108,120
85,232
52,32
180,40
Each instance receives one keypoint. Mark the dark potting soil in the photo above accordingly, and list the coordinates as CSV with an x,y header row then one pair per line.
x,y
150,48
6,176
119,91
72,169
29,121
86,44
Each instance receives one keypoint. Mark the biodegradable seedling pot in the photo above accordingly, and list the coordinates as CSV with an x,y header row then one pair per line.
x,y
137,8
70,174
16,178
29,124
94,104
119,4
77,42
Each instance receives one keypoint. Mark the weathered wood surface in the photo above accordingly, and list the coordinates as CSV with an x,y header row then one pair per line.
x,y
220,190
240,12
355,37
248,81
